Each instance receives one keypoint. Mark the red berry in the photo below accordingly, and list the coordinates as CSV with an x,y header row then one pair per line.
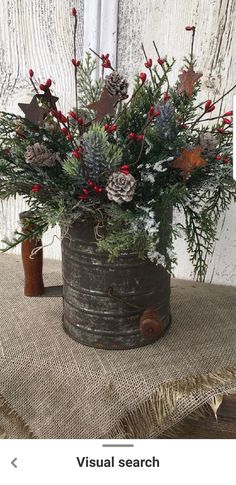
x,y
31,73
74,12
64,130
113,127
42,87
189,28
100,189
106,127
86,191
227,160
228,113
48,83
139,137
226,121
76,154
80,121
166,97
105,56
75,62
151,111
36,188
96,188
143,76
90,183
131,136
209,106
69,137
183,126
160,61
148,64
221,130
157,113
106,63
218,157
73,115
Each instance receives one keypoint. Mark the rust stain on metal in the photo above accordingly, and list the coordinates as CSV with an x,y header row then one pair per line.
x,y
92,315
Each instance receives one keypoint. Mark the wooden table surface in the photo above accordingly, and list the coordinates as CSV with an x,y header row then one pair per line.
x,y
207,426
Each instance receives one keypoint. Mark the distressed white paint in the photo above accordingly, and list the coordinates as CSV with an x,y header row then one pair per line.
x,y
38,35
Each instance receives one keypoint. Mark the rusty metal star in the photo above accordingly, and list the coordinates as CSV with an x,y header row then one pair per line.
x,y
33,112
48,100
105,105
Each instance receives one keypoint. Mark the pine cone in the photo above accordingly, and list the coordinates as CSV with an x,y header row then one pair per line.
x,y
116,85
41,156
165,123
93,154
121,187
208,143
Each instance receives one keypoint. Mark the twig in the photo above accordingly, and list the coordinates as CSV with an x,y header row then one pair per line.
x,y
76,68
192,44
165,73
34,86
150,69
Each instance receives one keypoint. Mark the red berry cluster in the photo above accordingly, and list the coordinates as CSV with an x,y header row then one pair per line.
x,y
59,116
132,136
92,186
153,113
224,159
36,188
46,86
79,120
143,76
209,106
148,63
75,62
106,63
124,169
110,128
166,97
77,152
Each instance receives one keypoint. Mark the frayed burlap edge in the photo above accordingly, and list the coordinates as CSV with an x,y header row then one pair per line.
x,y
16,421
142,421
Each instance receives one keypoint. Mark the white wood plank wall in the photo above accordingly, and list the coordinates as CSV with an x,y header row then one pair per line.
x,y
39,35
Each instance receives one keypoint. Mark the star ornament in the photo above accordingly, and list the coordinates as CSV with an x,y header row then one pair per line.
x,y
33,112
105,106
189,160
48,100
187,81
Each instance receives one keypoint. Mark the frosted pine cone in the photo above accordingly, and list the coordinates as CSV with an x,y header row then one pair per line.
x,y
39,155
121,187
116,85
208,143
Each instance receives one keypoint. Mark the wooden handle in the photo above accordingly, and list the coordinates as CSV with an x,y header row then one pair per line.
x,y
33,267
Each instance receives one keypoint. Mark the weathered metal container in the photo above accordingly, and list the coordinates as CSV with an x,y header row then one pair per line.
x,y
104,301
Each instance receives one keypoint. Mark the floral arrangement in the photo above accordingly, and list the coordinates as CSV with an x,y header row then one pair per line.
x,y
123,161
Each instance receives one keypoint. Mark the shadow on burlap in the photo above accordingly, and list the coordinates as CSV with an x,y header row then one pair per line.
x,y
53,387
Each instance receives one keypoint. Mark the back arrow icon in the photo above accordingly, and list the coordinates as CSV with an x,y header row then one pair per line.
x,y
13,462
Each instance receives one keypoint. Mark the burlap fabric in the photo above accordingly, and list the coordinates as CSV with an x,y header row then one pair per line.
x,y
61,389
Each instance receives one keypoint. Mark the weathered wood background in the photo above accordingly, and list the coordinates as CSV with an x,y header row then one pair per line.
x,y
38,35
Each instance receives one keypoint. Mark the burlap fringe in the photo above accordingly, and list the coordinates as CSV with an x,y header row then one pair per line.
x,y
16,420
142,421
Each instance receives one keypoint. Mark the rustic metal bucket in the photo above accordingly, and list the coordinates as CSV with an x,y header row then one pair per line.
x,y
104,301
